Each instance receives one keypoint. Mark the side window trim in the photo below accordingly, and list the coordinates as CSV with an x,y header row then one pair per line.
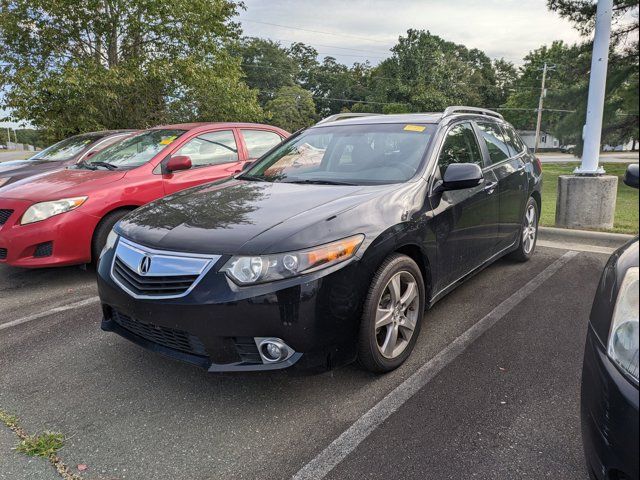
x,y
486,157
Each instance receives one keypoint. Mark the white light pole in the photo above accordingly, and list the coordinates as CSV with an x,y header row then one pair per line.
x,y
597,83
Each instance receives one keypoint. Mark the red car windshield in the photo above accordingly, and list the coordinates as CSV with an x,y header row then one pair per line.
x,y
136,150
65,149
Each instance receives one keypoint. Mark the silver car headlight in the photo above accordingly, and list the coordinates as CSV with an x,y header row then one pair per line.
x,y
249,270
622,346
43,210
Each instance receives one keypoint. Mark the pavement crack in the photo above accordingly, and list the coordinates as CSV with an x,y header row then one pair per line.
x,y
44,445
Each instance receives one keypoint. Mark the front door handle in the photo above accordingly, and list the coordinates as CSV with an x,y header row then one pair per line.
x,y
490,187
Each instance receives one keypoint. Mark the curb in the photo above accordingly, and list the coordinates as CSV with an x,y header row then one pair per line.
x,y
584,237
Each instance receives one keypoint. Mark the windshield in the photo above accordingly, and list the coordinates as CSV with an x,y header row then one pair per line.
x,y
348,154
65,149
134,151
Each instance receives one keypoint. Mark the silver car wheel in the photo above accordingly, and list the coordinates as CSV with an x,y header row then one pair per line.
x,y
529,229
397,314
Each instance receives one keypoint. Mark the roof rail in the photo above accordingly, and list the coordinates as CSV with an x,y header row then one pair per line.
x,y
462,109
342,116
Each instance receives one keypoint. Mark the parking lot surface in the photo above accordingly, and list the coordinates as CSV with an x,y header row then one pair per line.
x,y
503,404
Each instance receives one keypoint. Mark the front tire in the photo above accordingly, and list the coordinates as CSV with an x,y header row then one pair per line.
x,y
392,315
102,232
528,233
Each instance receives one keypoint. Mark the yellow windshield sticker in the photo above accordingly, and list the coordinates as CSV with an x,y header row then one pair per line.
x,y
168,140
414,128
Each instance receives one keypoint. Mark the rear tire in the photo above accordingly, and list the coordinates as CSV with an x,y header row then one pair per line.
x,y
528,233
392,315
102,232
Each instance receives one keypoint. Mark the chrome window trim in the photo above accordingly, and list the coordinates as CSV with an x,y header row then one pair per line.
x,y
211,261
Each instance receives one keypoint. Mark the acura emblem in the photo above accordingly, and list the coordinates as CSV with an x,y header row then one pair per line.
x,y
145,265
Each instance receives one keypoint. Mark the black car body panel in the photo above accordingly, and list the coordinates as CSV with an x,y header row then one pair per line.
x,y
609,406
451,234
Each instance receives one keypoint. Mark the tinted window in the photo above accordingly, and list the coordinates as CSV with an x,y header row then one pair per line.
x,y
259,142
460,146
211,148
516,145
136,150
353,154
492,135
66,149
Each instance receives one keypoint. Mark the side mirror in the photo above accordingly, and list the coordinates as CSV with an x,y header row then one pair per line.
x,y
90,154
631,176
458,176
247,165
177,163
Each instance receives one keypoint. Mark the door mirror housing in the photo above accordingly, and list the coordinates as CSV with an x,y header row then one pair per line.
x,y
459,176
631,176
177,163
90,154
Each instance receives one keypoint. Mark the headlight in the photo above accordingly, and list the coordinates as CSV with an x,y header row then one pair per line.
x,y
4,180
266,268
112,238
623,337
42,211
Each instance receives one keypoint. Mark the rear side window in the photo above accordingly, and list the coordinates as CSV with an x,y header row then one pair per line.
x,y
493,138
259,142
460,146
515,143
213,148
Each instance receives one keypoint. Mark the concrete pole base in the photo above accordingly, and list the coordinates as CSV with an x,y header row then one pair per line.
x,y
586,202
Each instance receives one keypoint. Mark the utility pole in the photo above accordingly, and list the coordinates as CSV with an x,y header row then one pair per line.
x,y
587,199
543,93
597,83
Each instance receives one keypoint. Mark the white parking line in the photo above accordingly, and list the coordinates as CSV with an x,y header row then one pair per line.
x,y
35,316
347,442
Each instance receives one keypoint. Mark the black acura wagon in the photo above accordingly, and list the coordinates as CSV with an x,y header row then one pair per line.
x,y
328,248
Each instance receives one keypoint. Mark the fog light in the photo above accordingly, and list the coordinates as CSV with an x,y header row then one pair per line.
x,y
273,350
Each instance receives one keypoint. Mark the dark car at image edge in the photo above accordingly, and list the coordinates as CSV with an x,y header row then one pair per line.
x,y
609,403
328,248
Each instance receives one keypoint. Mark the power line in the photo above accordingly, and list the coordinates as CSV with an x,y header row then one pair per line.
x,y
368,39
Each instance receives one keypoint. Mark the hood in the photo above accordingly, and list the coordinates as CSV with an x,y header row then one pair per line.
x,y
59,184
221,217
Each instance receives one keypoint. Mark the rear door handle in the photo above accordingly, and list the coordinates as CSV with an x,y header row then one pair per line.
x,y
490,187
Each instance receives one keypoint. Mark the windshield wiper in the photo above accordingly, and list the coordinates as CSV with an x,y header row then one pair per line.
x,y
107,165
251,178
320,182
85,165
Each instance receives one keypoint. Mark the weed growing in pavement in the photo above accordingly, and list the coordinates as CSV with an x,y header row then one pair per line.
x,y
43,445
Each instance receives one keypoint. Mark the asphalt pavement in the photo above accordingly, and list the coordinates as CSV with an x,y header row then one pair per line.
x,y
6,155
490,391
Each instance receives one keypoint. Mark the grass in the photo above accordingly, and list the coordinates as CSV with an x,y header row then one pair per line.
x,y
10,421
626,215
43,445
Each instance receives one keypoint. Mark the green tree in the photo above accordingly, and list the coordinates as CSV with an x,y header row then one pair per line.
x,y
120,63
426,73
267,66
292,108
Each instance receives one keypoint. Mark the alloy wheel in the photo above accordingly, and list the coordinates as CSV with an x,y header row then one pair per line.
x,y
529,229
397,314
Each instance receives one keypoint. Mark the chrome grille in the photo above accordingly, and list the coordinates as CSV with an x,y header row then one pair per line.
x,y
147,273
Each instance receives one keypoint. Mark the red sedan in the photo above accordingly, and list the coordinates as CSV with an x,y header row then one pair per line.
x,y
64,217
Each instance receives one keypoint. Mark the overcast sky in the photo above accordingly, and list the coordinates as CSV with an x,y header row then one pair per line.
x,y
501,28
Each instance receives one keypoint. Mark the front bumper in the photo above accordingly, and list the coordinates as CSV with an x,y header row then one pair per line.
x,y
609,412
64,239
215,325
